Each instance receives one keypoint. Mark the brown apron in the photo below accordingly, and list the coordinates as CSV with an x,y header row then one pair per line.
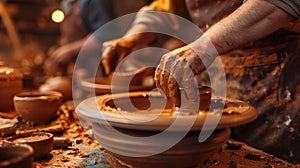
x,y
265,73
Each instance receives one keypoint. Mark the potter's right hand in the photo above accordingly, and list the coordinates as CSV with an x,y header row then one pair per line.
x,y
116,50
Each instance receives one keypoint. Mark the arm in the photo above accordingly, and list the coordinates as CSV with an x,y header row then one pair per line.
x,y
253,20
68,52
141,33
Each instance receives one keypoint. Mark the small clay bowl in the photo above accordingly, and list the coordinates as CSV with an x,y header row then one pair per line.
x,y
187,106
16,155
38,107
205,97
41,142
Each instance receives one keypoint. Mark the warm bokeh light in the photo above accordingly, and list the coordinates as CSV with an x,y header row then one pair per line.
x,y
57,16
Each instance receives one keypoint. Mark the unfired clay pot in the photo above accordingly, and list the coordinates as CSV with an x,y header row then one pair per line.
x,y
38,107
41,142
10,84
16,155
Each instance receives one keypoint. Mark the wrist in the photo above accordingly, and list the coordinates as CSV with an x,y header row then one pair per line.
x,y
205,50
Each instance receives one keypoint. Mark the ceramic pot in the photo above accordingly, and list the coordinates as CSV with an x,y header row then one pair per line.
x,y
16,155
204,100
41,142
38,107
10,84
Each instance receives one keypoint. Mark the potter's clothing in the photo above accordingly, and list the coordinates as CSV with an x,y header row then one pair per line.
x,y
84,17
96,13
265,72
179,7
290,6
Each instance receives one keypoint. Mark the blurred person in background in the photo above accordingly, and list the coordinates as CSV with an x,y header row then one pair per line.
x,y
83,17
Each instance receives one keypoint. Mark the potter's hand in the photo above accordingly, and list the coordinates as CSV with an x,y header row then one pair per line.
x,y
115,51
65,54
178,69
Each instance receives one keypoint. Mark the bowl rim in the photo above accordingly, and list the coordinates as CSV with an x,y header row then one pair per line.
x,y
23,155
90,110
28,134
38,95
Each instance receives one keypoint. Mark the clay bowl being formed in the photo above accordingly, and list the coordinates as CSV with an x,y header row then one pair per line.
x,y
41,142
38,107
117,120
16,155
119,82
205,93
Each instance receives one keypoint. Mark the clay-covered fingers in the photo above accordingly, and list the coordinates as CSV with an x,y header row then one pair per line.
x,y
167,76
195,63
174,82
157,78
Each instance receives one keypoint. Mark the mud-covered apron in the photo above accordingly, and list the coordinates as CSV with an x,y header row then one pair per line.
x,y
265,73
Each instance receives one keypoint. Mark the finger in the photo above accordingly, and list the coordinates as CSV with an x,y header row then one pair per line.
x,y
158,74
173,83
189,85
108,55
195,63
156,80
168,63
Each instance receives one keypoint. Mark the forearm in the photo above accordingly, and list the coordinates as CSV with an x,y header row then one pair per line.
x,y
255,19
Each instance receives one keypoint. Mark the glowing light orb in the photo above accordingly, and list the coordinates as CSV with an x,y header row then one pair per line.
x,y
57,16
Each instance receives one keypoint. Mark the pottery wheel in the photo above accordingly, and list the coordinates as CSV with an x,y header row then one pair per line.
x,y
135,108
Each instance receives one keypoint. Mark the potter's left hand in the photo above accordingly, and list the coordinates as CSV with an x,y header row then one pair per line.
x,y
177,69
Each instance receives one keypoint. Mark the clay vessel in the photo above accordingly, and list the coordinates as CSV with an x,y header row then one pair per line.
x,y
187,107
41,142
16,155
38,107
10,84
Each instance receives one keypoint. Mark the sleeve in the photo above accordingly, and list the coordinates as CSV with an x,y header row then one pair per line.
x,y
96,13
292,7
157,16
177,7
